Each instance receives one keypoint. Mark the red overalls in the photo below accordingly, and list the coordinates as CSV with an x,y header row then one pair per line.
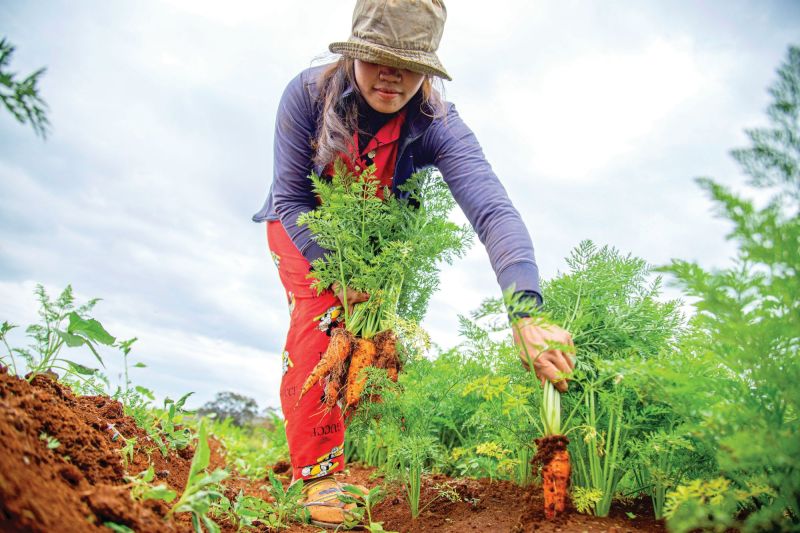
x,y
315,436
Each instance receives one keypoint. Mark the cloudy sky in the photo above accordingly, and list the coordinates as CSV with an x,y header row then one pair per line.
x,y
595,115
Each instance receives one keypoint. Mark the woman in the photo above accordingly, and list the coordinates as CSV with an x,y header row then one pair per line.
x,y
376,105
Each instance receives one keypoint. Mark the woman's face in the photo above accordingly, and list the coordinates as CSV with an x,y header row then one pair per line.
x,y
386,89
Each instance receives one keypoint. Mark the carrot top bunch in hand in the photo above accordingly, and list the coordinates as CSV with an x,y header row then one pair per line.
x,y
385,249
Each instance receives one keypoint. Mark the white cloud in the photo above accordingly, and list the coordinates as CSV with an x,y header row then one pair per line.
x,y
595,117
582,116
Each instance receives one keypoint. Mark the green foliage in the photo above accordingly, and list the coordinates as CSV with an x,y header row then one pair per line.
x,y
288,503
387,248
735,376
251,449
244,512
713,504
128,450
51,334
663,459
176,434
240,408
407,422
586,500
21,97
52,442
142,488
364,502
202,488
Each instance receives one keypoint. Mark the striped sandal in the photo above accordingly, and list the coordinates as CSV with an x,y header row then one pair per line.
x,y
323,504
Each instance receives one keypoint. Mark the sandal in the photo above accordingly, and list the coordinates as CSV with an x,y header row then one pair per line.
x,y
323,504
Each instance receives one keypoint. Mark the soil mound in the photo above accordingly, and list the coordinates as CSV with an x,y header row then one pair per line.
x,y
75,484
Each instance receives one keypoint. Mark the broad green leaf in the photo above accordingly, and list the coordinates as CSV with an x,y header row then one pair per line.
x,y
202,454
80,369
73,341
149,474
179,404
211,525
160,492
91,329
147,393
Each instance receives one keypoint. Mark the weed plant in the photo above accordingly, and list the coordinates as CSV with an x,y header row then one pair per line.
x,y
202,489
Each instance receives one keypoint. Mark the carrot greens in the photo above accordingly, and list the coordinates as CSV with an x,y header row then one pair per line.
x,y
387,248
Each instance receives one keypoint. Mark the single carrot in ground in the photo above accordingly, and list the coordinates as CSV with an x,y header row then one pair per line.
x,y
363,356
338,350
552,454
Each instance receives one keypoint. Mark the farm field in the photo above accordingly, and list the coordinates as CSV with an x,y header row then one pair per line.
x,y
57,488
671,421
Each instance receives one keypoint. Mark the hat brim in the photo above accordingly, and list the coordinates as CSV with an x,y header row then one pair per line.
x,y
414,60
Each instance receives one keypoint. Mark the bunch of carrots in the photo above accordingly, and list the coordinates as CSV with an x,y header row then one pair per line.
x,y
386,245
340,369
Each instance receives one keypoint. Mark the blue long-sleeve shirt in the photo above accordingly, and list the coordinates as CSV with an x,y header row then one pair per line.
x,y
443,142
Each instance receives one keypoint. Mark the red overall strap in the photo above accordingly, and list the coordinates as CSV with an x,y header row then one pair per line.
x,y
381,151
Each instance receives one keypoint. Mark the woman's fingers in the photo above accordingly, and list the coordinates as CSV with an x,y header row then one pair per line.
x,y
550,372
359,297
561,361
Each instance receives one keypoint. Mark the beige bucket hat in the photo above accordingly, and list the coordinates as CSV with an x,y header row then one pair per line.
x,y
398,33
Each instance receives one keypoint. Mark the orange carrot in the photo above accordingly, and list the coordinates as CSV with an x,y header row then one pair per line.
x,y
331,392
553,455
338,350
555,480
337,379
386,343
363,356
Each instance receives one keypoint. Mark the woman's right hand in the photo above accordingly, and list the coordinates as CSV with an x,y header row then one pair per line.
x,y
353,296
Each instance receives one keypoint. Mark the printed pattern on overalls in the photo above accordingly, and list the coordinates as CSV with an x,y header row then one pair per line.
x,y
315,434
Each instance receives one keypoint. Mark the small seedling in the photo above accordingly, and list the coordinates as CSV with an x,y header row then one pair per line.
x,y
141,489
287,505
201,488
52,442
364,502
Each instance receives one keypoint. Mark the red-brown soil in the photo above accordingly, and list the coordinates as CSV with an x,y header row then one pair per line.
x,y
79,484
488,506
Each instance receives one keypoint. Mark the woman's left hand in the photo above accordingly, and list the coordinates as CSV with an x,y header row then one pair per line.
x,y
532,339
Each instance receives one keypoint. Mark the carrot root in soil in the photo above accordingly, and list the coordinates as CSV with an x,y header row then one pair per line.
x,y
552,454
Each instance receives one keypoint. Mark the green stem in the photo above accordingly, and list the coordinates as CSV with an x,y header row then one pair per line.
x,y
551,409
44,364
343,283
11,355
89,383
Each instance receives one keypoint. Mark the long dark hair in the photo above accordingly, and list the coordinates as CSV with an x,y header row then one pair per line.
x,y
338,121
